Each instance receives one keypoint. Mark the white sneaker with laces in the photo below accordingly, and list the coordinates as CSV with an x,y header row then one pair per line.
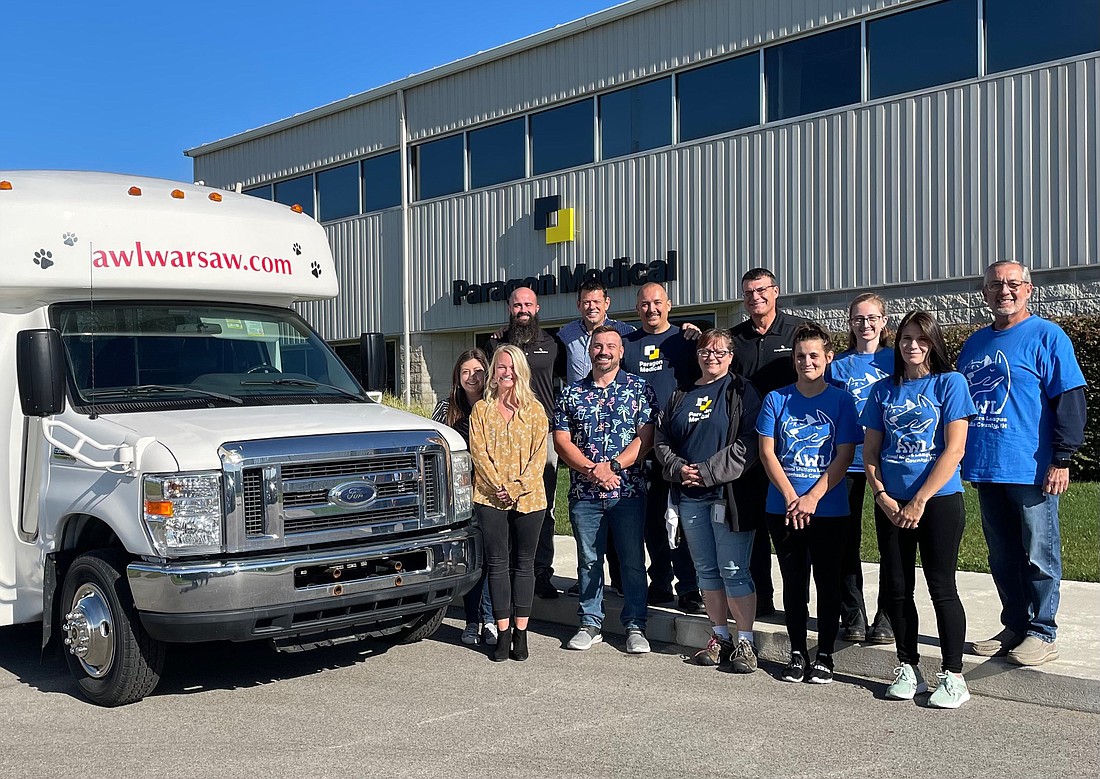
x,y
489,634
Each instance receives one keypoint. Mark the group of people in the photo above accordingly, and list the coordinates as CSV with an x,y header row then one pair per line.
x,y
706,448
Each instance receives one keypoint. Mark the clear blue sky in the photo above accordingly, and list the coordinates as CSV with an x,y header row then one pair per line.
x,y
127,85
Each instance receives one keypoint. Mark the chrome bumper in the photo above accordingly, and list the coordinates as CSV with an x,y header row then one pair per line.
x,y
255,598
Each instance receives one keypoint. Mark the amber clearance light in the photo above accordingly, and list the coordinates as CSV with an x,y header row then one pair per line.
x,y
296,208
177,194
216,197
135,191
158,508
5,186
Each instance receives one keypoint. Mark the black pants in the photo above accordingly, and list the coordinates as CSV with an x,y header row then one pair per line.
x,y
853,609
754,495
544,551
663,561
823,542
938,535
510,541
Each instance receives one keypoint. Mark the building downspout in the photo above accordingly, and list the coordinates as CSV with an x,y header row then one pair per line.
x,y
406,285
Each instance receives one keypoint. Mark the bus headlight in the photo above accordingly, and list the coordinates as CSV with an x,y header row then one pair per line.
x,y
183,513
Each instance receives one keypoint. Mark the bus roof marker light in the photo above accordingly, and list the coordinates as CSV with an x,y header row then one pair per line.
x,y
216,197
177,194
5,186
135,191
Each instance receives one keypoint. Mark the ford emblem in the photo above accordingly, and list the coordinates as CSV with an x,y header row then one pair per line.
x,y
352,494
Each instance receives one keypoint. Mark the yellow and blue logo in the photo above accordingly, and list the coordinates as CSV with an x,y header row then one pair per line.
x,y
558,223
652,352
704,403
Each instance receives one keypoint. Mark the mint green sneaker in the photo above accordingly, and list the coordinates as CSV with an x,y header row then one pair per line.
x,y
907,683
952,692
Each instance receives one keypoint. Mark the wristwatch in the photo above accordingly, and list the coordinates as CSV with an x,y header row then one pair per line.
x,y
616,466
1061,462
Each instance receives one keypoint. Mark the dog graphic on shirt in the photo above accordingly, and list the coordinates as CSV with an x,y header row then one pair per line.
x,y
803,438
859,386
990,382
913,426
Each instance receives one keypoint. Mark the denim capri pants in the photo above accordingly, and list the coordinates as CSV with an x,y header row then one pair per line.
x,y
721,556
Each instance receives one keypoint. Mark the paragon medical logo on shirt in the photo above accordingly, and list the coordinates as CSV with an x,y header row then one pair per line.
x,y
652,352
704,406
804,443
990,381
912,426
652,361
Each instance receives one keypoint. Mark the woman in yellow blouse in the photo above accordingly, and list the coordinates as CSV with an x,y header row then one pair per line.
x,y
508,431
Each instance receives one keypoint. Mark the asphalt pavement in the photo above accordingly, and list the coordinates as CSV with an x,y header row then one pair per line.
x,y
1072,681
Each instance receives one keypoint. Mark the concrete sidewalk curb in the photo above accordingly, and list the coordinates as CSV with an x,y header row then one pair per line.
x,y
1071,682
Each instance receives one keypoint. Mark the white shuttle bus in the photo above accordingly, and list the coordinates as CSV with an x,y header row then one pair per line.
x,y
184,459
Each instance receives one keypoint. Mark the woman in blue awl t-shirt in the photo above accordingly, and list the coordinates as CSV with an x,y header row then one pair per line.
x,y
808,432
867,359
916,423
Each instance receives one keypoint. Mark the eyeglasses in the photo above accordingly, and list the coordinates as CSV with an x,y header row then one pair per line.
x,y
751,293
873,319
721,354
997,286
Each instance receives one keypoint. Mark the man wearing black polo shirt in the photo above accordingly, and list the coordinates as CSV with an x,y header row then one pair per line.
x,y
542,352
661,355
762,352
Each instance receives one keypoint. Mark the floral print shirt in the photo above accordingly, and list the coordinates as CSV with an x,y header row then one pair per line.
x,y
602,422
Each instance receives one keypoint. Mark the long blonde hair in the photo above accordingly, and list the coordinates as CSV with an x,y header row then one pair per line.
x,y
524,396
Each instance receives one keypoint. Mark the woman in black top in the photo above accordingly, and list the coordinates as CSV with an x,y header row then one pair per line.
x,y
467,387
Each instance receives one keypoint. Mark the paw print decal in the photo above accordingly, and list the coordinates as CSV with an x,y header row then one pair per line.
x,y
297,249
69,239
315,269
43,258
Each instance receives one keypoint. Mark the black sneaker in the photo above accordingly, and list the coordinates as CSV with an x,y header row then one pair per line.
x,y
744,658
574,590
691,603
821,672
545,588
795,671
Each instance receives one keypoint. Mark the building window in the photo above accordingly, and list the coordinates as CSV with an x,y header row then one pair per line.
x,y
719,98
297,191
338,192
813,74
935,44
497,153
382,181
1019,33
440,167
636,118
264,192
562,137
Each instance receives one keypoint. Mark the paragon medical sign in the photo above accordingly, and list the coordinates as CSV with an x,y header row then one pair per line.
x,y
620,273
558,223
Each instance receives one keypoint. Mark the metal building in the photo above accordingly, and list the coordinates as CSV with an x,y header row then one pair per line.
x,y
895,145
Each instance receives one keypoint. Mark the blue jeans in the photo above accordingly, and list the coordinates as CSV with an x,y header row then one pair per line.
x,y
590,520
1020,522
476,602
721,556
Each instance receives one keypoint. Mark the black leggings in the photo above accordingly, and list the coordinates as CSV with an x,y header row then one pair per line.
x,y
938,534
823,541
510,541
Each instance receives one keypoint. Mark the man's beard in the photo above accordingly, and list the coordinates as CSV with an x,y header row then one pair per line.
x,y
521,333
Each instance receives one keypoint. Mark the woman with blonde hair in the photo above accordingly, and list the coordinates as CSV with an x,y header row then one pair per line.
x,y
508,430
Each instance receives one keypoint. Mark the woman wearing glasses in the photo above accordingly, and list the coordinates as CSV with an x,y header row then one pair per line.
x,y
866,360
705,440
916,423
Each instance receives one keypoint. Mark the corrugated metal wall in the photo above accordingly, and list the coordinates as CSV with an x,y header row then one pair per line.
x,y
643,44
326,141
906,191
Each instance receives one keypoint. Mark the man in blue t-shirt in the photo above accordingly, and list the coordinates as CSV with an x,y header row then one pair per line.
x,y
1029,392
661,354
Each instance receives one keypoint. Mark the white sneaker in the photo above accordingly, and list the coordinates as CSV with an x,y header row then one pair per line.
x,y
471,633
488,634
636,643
585,638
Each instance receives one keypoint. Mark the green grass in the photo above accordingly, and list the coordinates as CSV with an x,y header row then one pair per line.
x,y
1078,512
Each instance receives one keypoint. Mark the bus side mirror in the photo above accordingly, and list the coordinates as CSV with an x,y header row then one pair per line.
x,y
372,356
40,365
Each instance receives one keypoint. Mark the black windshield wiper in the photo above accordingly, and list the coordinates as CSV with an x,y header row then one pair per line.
x,y
303,383
154,389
